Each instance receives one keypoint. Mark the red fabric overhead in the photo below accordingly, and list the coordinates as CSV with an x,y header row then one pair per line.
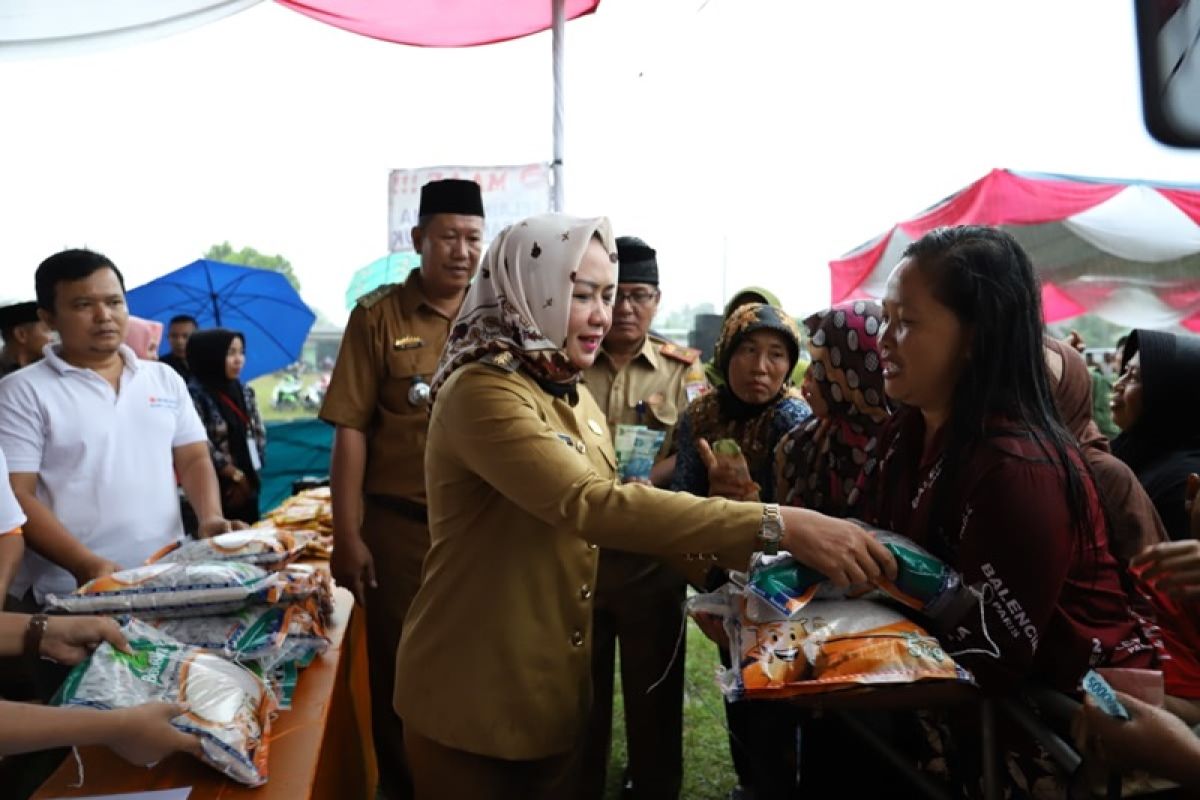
x,y
1185,201
1056,305
1002,198
998,198
849,272
1158,290
439,23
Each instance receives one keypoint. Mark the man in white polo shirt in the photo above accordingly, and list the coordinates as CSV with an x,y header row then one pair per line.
x,y
94,438
11,519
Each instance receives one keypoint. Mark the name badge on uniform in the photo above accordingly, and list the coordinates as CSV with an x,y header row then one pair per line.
x,y
408,343
595,428
252,448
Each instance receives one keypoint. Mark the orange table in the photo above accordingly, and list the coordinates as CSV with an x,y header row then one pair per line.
x,y
321,748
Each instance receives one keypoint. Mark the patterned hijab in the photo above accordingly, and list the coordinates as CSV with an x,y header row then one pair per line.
x,y
521,301
747,319
826,463
722,415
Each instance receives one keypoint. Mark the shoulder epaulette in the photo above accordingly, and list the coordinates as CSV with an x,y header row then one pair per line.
x,y
686,355
375,295
503,360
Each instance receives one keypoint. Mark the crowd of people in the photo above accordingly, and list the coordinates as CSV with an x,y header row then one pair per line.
x,y
501,560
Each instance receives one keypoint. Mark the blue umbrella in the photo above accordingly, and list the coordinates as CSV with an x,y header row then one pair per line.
x,y
259,303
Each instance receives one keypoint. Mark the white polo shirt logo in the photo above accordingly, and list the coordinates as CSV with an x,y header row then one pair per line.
x,y
169,403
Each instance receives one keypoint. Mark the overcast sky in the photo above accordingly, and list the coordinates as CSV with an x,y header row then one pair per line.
x,y
749,141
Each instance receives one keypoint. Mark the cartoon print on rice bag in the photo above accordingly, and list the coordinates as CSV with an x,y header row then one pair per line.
x,y
778,657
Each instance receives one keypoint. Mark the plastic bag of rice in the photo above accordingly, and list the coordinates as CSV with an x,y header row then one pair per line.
x,y
269,548
229,707
169,590
255,632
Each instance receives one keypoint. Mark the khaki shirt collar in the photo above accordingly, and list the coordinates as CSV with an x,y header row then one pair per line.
x,y
648,353
412,299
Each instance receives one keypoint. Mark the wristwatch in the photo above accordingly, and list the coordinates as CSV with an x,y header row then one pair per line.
x,y
33,638
770,534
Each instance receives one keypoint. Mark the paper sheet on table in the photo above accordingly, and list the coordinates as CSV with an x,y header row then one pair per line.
x,y
162,794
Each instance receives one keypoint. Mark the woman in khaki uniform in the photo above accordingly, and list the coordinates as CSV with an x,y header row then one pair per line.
x,y
492,674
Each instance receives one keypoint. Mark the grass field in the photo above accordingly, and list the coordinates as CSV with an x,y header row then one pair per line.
x,y
264,387
707,769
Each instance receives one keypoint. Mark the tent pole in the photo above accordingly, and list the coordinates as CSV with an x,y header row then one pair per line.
x,y
559,26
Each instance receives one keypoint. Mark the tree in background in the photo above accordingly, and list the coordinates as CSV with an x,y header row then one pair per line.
x,y
249,257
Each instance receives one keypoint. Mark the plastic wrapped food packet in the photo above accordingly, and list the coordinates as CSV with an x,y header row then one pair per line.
x,y
269,548
255,632
229,707
783,582
266,635
301,581
309,510
831,645
305,636
282,680
169,590
923,583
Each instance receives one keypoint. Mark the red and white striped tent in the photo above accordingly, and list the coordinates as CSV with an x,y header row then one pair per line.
x,y
1128,251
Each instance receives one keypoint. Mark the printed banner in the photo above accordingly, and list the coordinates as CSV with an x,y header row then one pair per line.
x,y
509,195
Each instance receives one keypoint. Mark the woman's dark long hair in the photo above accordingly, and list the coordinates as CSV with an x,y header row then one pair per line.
x,y
984,276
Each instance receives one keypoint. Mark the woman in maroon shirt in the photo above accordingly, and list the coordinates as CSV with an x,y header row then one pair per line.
x,y
979,468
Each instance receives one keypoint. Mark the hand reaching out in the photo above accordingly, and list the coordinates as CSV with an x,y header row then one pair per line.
x,y
728,475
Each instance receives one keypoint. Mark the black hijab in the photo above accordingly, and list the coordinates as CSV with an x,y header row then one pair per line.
x,y
1163,446
206,352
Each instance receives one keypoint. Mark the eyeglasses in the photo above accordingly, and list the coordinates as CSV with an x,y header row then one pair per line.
x,y
639,297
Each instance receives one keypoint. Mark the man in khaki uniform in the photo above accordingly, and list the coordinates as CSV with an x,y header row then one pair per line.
x,y
378,398
640,379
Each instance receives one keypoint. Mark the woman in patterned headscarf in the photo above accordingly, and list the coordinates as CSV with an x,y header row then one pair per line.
x,y
493,670
827,462
754,405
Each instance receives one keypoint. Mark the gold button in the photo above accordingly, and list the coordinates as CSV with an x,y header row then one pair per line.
x,y
585,592
577,639
591,546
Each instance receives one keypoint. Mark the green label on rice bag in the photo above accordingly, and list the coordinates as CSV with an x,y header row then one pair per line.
x,y
261,632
